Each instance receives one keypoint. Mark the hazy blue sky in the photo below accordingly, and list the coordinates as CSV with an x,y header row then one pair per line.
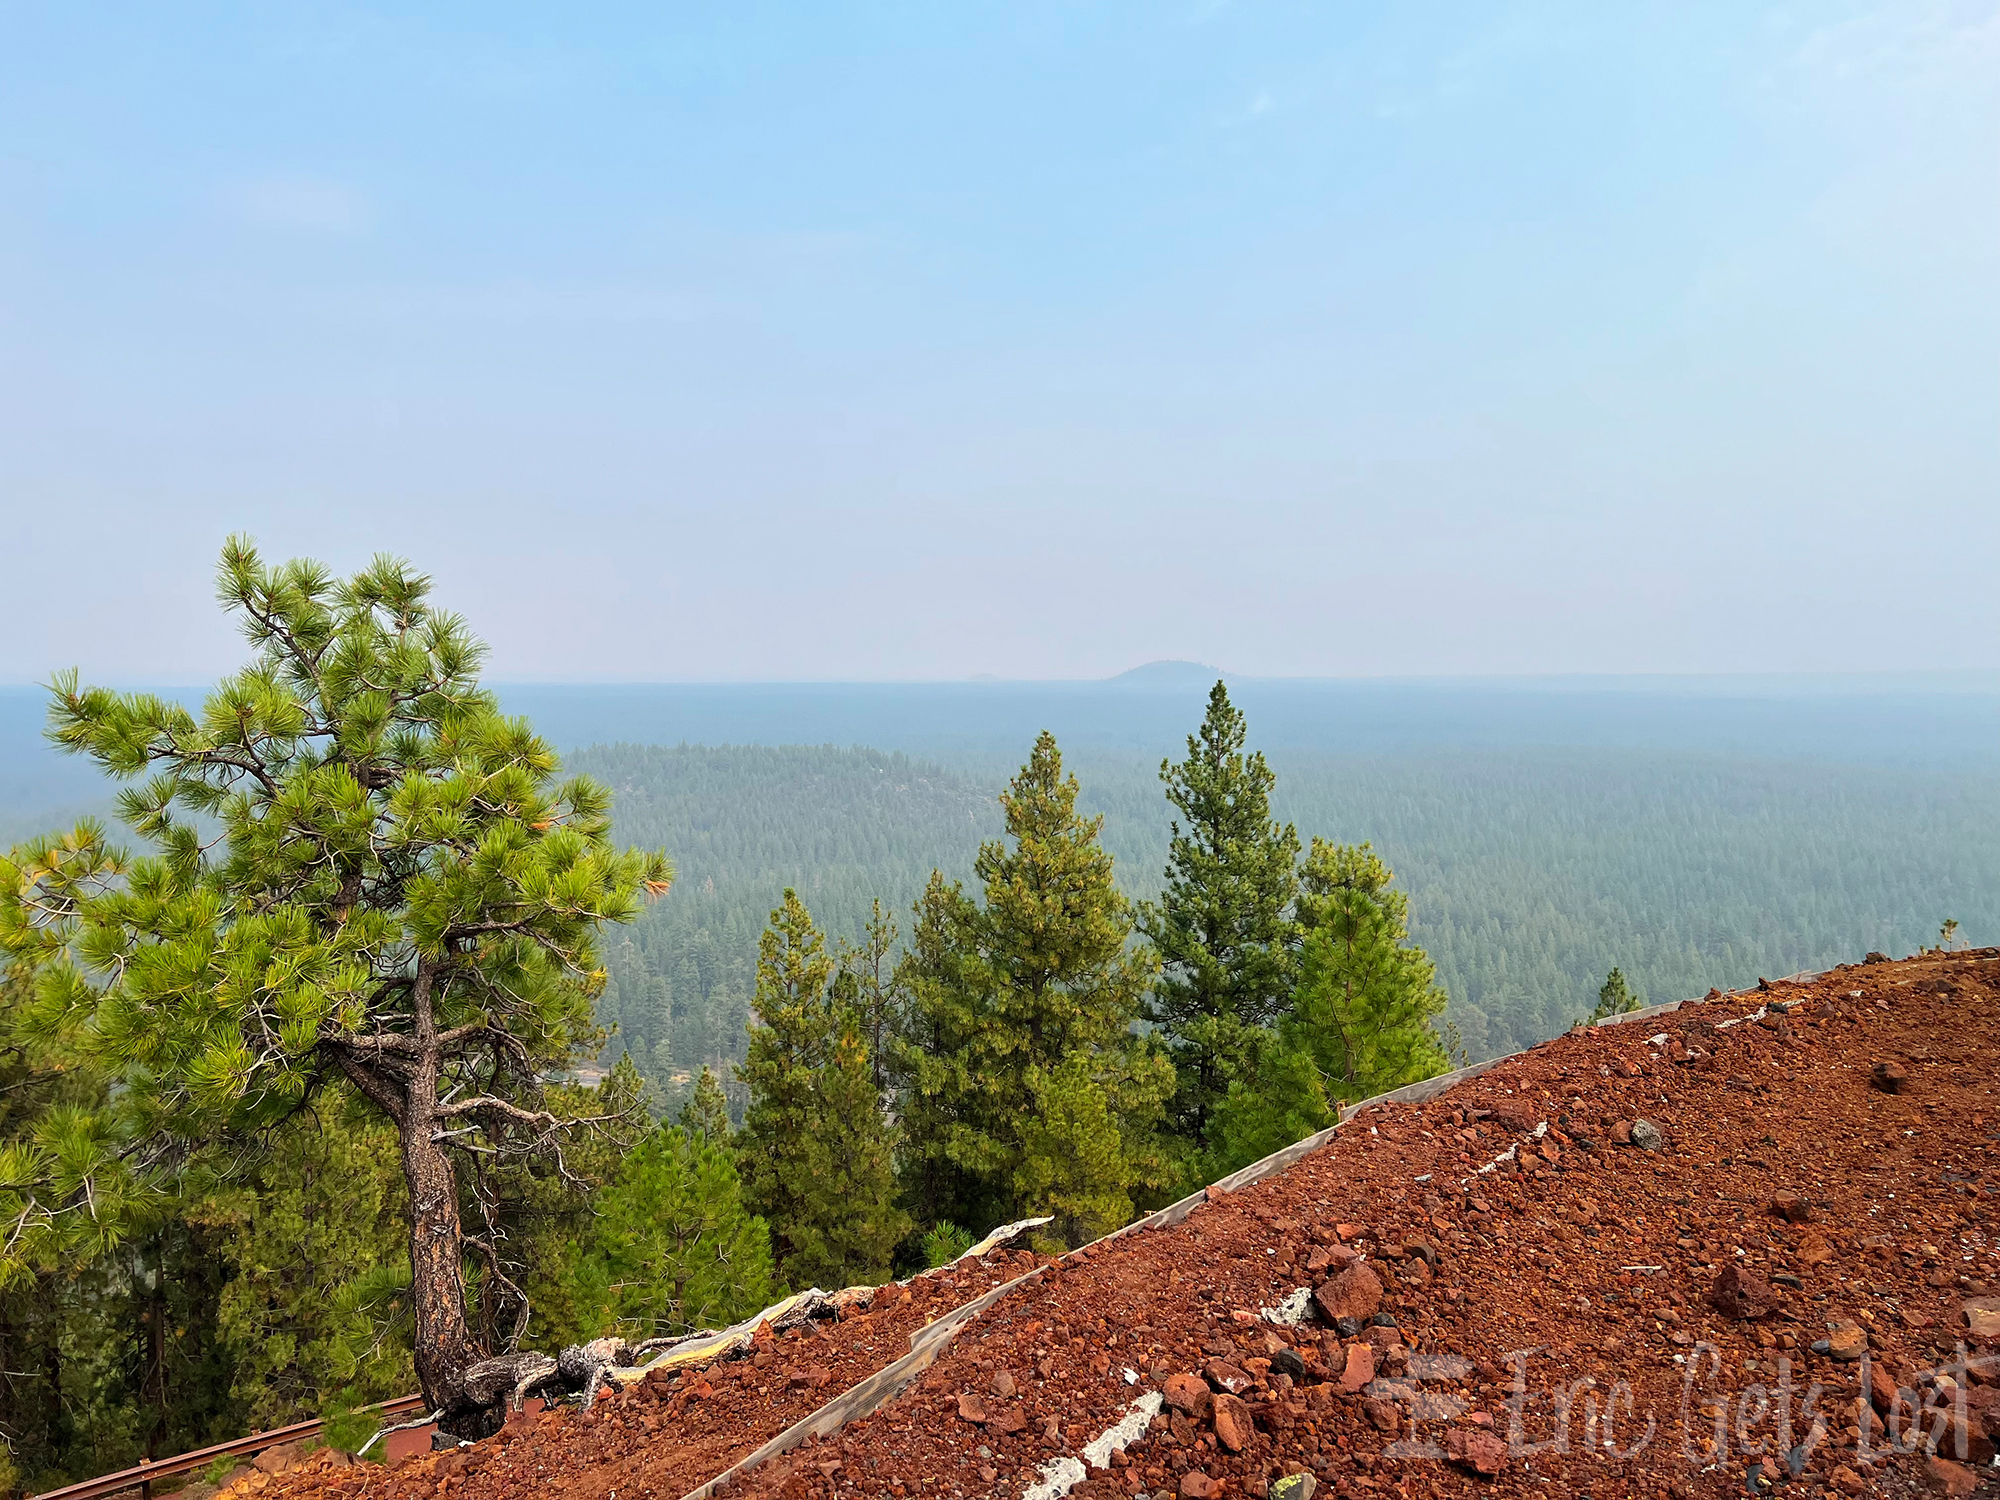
x,y
864,341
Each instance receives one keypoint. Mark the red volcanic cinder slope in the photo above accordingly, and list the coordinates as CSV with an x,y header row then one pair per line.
x,y
1743,1247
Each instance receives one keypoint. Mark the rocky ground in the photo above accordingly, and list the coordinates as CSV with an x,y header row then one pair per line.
x,y
1746,1247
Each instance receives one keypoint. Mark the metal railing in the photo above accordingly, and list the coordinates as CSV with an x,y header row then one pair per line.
x,y
142,1476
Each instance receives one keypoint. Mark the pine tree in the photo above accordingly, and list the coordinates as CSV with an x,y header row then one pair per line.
x,y
1368,999
815,1147
1074,1163
1364,1014
789,1041
866,981
1222,926
1615,998
315,1217
360,873
1026,1003
852,1225
942,1100
673,1247
706,1113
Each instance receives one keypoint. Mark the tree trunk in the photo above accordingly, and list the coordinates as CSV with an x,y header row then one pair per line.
x,y
153,1319
444,1346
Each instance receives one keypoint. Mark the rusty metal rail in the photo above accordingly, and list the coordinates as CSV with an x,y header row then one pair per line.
x,y
141,1476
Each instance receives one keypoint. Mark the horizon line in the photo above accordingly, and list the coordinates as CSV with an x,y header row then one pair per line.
x,y
1976,679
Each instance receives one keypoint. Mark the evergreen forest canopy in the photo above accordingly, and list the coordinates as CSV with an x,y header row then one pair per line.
x,y
1531,872
890,998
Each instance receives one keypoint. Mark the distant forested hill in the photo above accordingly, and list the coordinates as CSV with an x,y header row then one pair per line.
x,y
1531,872
1693,833
742,823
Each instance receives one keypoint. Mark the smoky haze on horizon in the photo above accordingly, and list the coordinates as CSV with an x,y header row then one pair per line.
x,y
887,343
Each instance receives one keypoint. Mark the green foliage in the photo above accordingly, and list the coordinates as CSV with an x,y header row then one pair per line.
x,y
1222,926
706,1113
1025,999
304,1234
843,827
864,982
346,1426
1075,1163
539,1209
673,1248
945,1243
1530,870
218,1472
1368,999
107,1348
1283,1098
1364,1015
849,1234
1615,998
358,872
111,1357
815,1147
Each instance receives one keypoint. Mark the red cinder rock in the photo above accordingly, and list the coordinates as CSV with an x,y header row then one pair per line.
x,y
1007,1419
1189,1394
1963,1433
1331,1257
279,1459
1515,1115
1737,1293
1232,1422
1224,1376
1380,1414
1790,1206
970,1407
1981,1317
1196,1485
1476,1452
1360,1368
1890,1076
1815,1249
1955,1481
1353,1297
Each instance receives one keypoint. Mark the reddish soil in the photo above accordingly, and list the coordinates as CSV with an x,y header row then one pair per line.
x,y
1791,1197
669,1435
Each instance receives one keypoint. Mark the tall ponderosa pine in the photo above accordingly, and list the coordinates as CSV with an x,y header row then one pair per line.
x,y
1023,1087
360,872
1364,1015
815,1148
1223,925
